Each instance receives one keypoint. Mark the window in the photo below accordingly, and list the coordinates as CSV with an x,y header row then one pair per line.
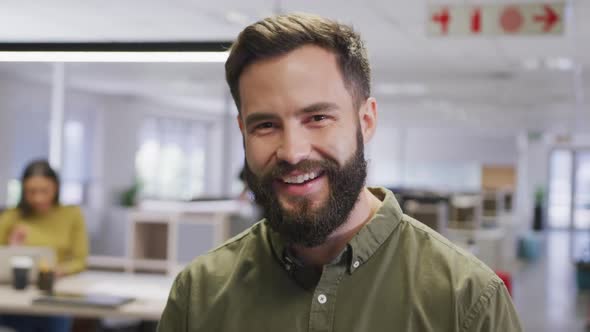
x,y
73,174
72,188
29,140
170,160
569,193
13,194
560,192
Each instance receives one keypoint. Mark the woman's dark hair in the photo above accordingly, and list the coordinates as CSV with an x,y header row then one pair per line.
x,y
37,168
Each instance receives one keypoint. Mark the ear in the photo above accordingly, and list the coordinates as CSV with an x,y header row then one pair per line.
x,y
368,119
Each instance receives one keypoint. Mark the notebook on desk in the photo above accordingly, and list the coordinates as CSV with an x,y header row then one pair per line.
x,y
84,300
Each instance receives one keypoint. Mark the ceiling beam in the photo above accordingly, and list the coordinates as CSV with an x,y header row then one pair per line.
x,y
132,46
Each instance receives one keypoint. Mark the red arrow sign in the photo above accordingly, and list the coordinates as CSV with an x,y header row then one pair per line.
x,y
476,21
443,18
547,18
550,18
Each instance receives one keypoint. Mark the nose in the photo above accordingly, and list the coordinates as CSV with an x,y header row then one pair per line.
x,y
38,198
295,146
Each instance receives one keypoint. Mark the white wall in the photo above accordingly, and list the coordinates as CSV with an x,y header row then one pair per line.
x,y
396,154
459,145
386,156
6,142
24,115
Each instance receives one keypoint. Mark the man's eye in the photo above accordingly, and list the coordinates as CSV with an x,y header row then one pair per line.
x,y
265,125
318,118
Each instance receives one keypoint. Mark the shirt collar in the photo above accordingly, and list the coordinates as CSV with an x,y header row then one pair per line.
x,y
368,240
365,243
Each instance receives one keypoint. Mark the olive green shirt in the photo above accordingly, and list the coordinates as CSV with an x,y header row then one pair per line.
x,y
395,275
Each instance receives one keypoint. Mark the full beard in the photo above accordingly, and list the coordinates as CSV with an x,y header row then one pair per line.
x,y
305,225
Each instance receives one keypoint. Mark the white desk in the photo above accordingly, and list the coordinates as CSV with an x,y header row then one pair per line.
x,y
150,292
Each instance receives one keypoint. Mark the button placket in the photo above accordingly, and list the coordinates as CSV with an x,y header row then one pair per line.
x,y
324,298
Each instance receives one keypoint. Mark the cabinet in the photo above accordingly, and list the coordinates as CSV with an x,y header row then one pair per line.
x,y
153,231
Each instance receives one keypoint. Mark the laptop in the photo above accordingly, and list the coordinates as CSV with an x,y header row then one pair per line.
x,y
84,300
37,254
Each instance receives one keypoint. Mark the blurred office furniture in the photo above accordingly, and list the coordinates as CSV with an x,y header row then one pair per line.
x,y
529,246
495,246
432,213
583,271
482,223
428,207
162,236
154,233
465,211
479,222
149,291
495,203
497,183
487,244
498,177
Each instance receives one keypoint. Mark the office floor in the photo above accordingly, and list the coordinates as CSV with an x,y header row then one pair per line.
x,y
545,293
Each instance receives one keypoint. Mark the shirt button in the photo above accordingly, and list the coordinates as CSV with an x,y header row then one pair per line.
x,y
356,264
322,299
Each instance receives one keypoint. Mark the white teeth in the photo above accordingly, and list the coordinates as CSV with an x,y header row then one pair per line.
x,y
300,178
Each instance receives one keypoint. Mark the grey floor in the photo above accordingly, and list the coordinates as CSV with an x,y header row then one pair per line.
x,y
545,292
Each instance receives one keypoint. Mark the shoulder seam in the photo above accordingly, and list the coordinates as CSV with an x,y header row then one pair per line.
x,y
486,296
435,235
236,238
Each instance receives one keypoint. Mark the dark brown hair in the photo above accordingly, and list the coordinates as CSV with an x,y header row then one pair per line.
x,y
278,35
36,168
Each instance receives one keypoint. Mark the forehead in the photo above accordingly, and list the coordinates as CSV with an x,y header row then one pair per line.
x,y
308,74
38,180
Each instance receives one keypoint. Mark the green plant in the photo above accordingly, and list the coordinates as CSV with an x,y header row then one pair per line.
x,y
128,197
539,196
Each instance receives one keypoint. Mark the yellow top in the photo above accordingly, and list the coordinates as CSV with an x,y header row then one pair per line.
x,y
62,229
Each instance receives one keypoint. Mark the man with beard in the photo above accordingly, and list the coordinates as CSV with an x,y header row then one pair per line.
x,y
330,254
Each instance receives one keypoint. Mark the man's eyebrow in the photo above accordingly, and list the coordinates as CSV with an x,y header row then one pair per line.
x,y
319,107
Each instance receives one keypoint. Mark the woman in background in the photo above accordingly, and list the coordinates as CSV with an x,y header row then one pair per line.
x,y
39,220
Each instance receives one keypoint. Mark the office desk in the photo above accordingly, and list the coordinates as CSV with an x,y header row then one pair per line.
x,y
150,292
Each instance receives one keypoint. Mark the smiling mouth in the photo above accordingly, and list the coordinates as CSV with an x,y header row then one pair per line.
x,y
302,178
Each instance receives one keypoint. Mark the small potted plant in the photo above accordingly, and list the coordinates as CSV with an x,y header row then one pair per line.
x,y
128,197
538,212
